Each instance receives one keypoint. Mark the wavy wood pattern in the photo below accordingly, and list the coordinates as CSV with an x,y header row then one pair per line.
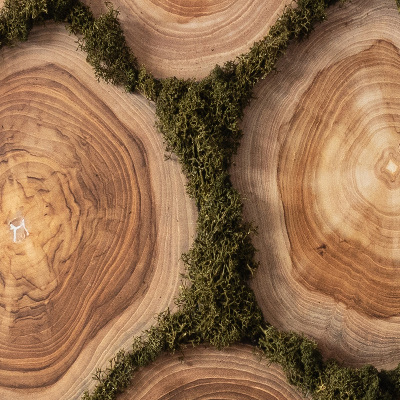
x,y
319,165
94,220
206,373
187,38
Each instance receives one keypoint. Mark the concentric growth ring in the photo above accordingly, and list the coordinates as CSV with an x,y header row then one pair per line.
x,y
320,167
187,39
77,227
338,176
207,373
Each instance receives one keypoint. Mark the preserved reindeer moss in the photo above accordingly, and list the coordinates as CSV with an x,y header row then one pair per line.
x,y
304,367
17,18
104,42
200,124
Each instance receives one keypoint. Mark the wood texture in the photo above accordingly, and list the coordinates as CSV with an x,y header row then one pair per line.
x,y
206,373
94,220
188,38
105,219
319,165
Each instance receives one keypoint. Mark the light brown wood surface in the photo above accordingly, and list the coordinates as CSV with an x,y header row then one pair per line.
x,y
206,373
187,38
319,165
103,219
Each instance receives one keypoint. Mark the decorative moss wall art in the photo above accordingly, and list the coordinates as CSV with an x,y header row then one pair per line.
x,y
199,121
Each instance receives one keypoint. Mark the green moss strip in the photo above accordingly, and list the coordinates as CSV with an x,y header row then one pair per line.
x,y
200,124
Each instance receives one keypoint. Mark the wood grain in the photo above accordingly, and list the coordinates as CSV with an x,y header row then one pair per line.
x,y
187,38
206,373
319,165
105,219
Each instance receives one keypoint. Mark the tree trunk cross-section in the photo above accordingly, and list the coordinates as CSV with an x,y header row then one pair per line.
x,y
80,182
206,373
93,219
340,192
187,38
320,165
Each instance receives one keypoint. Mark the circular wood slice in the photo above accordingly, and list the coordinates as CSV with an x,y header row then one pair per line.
x,y
320,167
206,373
93,219
187,38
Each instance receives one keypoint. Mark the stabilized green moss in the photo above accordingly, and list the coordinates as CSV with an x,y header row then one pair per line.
x,y
304,367
200,124
17,18
103,41
80,19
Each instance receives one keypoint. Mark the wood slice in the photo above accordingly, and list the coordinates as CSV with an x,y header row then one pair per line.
x,y
206,373
187,38
94,220
320,165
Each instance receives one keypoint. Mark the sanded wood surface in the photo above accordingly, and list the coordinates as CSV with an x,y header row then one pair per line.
x,y
188,38
94,220
320,167
206,373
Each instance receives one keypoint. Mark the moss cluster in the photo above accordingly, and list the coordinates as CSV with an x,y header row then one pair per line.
x,y
304,367
103,40
199,121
